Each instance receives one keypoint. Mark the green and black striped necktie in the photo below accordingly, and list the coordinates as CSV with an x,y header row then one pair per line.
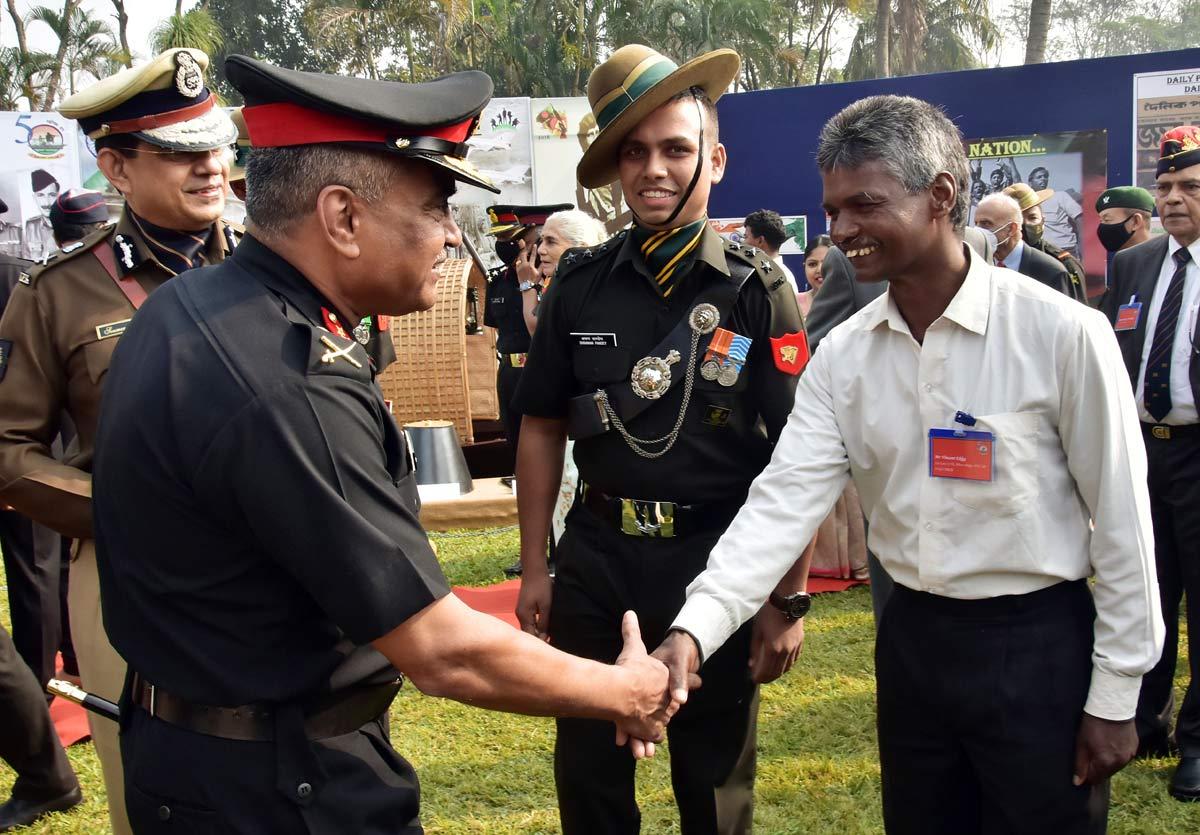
x,y
669,253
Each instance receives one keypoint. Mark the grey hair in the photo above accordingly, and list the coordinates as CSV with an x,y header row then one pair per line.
x,y
913,139
1011,207
282,184
578,227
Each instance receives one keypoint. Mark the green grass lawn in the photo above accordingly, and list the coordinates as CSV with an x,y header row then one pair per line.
x,y
490,773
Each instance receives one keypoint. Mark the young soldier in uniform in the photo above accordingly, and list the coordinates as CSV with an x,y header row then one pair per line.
x,y
670,356
265,646
160,140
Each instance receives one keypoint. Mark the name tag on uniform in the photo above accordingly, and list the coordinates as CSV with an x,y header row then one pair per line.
x,y
1128,315
112,329
595,340
958,454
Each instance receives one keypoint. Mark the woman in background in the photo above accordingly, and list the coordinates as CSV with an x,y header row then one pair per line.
x,y
814,257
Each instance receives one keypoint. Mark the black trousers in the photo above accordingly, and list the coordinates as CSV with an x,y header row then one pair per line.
x,y
28,741
979,704
177,781
1174,480
507,379
34,568
602,573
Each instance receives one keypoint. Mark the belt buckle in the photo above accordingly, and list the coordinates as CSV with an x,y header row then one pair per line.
x,y
650,519
1160,431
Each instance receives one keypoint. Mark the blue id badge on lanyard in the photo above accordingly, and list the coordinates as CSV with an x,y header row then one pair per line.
x,y
1128,315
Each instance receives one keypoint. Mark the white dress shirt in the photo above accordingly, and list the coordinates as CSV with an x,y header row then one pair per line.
x,y
1013,259
1040,371
1183,406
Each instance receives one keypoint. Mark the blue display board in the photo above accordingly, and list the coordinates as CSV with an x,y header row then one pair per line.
x,y
772,134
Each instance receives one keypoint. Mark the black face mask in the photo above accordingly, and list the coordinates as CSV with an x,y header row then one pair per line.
x,y
1032,233
1113,235
508,250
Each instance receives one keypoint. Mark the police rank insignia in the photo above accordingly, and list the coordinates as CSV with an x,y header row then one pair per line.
x,y
790,352
125,252
651,376
189,80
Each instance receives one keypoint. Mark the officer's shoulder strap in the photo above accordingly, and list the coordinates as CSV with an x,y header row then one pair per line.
x,y
573,259
748,259
69,252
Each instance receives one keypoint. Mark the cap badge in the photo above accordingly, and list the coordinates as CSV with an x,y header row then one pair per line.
x,y
402,143
189,80
1105,199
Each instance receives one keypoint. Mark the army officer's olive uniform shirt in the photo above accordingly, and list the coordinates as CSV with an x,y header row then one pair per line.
x,y
58,332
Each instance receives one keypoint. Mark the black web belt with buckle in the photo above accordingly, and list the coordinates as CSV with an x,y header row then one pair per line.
x,y
585,412
335,715
637,517
1167,432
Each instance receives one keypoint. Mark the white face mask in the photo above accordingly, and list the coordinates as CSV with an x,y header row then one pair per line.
x,y
1001,242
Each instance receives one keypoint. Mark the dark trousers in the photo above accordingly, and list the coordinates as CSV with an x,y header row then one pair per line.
x,y
979,704
28,741
507,379
602,573
1174,480
33,566
353,783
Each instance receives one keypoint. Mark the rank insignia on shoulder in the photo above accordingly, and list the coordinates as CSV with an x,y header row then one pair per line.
x,y
332,324
126,254
112,329
71,247
5,353
337,352
23,278
790,352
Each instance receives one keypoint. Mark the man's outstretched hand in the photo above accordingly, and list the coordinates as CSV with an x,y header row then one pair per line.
x,y
652,706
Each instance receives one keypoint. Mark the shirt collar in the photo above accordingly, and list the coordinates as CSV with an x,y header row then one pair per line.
x,y
1174,246
1013,259
968,309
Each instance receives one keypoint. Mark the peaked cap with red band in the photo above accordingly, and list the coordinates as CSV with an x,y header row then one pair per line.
x,y
430,121
507,220
1180,149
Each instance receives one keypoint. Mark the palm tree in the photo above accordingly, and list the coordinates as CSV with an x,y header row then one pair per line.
x,y
943,35
1039,29
366,29
194,30
60,24
18,73
91,44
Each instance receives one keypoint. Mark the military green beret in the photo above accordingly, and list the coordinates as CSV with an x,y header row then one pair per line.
x,y
1126,197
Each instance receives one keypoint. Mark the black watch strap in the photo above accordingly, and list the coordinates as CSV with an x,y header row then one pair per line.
x,y
793,606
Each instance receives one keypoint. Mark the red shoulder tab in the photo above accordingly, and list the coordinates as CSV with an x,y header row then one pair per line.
x,y
790,352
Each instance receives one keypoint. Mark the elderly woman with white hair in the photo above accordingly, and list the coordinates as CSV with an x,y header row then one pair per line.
x,y
562,231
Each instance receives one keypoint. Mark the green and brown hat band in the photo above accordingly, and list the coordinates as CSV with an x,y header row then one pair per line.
x,y
640,79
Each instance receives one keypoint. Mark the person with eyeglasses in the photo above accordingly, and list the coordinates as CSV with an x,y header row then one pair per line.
x,y
162,142
1152,302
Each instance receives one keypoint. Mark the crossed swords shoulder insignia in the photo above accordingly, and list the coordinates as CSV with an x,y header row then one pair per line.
x,y
336,352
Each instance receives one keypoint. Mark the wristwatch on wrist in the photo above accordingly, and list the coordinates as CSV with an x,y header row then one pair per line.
x,y
793,606
528,285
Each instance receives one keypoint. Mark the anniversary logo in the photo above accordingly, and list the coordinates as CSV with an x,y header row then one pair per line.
x,y
1072,165
40,160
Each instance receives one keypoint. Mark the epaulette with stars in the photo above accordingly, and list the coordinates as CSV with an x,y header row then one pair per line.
x,y
772,278
60,256
575,258
496,272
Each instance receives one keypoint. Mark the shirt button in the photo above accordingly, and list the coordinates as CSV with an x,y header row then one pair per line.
x,y
929,387
303,790
929,526
164,813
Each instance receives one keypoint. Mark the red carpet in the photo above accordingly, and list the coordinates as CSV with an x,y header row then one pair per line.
x,y
499,601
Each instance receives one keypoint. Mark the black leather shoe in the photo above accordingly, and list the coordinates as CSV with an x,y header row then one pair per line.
x,y
1185,783
17,812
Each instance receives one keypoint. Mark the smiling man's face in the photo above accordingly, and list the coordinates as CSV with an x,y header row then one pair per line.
x,y
179,190
658,159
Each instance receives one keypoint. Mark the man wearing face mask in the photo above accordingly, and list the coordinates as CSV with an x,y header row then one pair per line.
x,y
1033,229
1001,215
1125,214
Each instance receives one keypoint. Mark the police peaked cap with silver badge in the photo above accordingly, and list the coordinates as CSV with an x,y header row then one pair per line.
x,y
429,121
163,102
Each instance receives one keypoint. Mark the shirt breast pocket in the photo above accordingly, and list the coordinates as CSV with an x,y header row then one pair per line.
x,y
97,356
600,364
1015,466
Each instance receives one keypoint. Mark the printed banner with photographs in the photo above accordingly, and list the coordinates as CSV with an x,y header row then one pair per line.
x,y
562,129
796,226
501,150
1161,101
1073,165
40,160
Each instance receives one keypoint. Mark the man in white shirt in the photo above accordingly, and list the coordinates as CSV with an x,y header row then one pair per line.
x,y
765,230
985,421
1153,298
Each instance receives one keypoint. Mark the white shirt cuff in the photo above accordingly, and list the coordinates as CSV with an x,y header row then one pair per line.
x,y
706,620
1113,697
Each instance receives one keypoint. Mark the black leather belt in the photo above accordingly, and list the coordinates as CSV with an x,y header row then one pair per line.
x,y
637,517
336,715
1167,432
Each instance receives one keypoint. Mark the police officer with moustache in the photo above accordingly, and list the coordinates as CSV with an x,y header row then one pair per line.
x,y
161,140
516,229
670,356
265,646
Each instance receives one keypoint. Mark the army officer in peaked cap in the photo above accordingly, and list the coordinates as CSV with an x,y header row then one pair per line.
x,y
161,141
266,647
